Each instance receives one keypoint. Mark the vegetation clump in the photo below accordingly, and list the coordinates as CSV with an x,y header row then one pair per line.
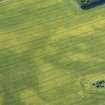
x,y
86,4
99,83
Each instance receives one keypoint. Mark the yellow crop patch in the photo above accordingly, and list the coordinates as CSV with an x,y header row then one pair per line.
x,y
82,30
10,41
99,22
82,57
29,97
60,33
79,30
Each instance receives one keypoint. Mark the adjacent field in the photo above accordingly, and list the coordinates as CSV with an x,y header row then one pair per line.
x,y
50,52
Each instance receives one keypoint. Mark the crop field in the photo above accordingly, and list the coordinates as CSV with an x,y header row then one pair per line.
x,y
50,53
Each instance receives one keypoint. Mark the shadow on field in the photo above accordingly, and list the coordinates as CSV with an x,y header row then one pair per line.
x,y
92,4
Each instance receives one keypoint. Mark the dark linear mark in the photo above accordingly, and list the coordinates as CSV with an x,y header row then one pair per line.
x,y
87,4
